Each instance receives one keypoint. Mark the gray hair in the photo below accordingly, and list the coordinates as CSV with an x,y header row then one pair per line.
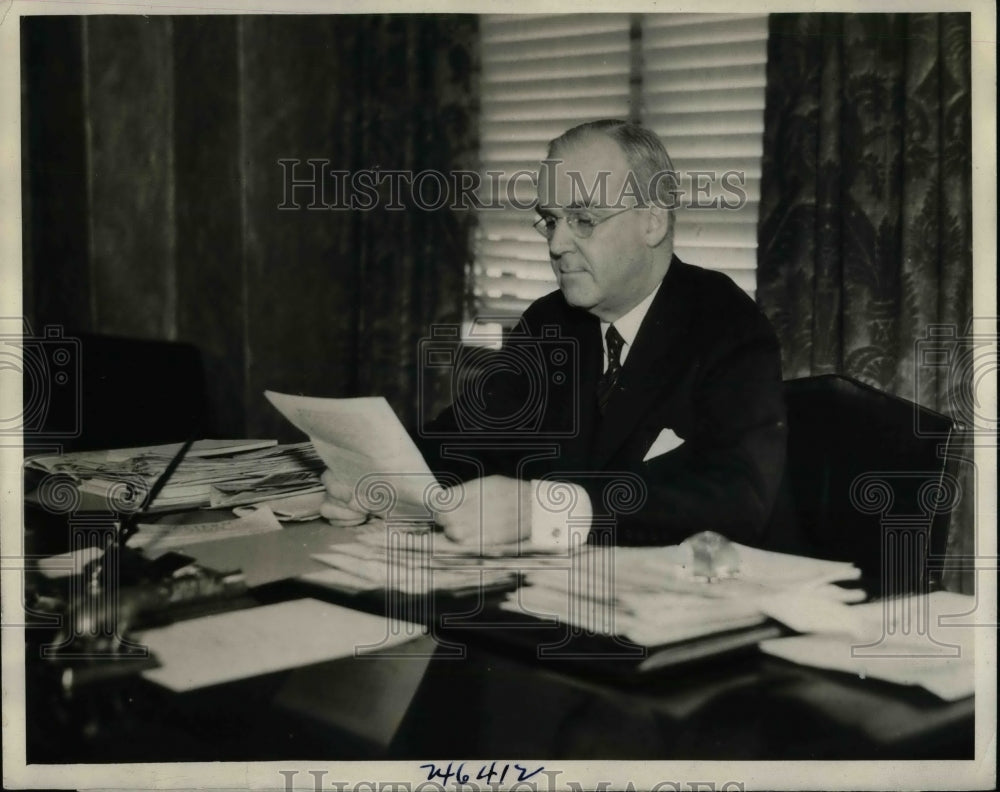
x,y
644,152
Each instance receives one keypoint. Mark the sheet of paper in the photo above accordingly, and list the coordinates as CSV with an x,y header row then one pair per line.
x,y
299,507
949,678
66,564
442,548
157,538
267,496
782,569
808,614
358,438
247,643
407,574
340,580
902,641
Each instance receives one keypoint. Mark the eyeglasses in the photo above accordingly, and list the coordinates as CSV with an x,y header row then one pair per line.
x,y
581,226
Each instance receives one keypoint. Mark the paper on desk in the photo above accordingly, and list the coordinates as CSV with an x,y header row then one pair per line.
x,y
899,641
808,613
357,438
444,549
157,538
125,482
782,569
653,597
761,573
341,580
220,499
648,620
299,507
406,572
65,565
681,617
198,449
228,646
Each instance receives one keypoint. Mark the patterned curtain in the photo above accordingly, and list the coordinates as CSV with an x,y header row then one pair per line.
x,y
865,236
410,104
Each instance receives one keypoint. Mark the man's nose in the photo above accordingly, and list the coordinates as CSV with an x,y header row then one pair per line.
x,y
563,240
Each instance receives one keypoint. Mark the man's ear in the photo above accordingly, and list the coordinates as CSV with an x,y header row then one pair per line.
x,y
657,224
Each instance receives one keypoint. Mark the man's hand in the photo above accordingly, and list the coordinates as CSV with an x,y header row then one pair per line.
x,y
496,509
339,505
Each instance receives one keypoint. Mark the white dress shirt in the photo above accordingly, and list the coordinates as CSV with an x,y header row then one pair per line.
x,y
628,326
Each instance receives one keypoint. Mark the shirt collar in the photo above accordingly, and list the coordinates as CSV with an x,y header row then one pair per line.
x,y
628,325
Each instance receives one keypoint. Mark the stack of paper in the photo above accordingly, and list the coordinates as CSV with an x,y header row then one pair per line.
x,y
419,560
81,461
213,473
650,595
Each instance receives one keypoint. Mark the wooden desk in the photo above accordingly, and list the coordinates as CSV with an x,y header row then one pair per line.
x,y
469,696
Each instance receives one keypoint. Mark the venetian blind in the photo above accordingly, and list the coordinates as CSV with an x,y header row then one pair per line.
x,y
541,75
701,87
703,80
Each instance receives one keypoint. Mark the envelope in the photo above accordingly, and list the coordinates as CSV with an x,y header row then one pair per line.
x,y
667,441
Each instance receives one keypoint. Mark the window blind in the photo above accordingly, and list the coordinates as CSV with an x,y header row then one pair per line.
x,y
703,81
701,87
541,75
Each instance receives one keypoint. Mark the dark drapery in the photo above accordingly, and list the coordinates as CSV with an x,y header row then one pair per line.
x,y
153,146
865,238
409,106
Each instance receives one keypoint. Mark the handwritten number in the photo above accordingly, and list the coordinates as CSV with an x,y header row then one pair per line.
x,y
487,775
524,775
461,777
437,772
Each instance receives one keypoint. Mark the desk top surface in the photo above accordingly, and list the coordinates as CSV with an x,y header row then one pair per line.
x,y
471,692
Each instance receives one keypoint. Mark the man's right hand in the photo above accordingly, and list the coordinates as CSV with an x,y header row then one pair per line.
x,y
339,505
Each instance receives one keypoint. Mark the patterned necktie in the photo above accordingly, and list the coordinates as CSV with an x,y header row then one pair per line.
x,y
606,384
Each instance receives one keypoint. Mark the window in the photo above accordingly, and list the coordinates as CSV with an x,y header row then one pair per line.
x,y
696,79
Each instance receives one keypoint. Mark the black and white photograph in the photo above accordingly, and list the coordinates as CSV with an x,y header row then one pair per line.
x,y
466,397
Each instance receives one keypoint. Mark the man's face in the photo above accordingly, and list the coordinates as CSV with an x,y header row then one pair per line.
x,y
611,271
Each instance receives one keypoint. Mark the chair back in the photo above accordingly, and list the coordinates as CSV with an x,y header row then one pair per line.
x,y
865,480
114,392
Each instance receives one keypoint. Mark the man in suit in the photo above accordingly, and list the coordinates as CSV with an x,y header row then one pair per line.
x,y
642,401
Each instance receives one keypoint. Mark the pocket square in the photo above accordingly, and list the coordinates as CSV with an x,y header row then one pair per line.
x,y
667,441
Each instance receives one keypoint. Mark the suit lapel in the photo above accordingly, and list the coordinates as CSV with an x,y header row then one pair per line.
x,y
655,358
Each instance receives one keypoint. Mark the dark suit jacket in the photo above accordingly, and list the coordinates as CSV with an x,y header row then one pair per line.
x,y
705,365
